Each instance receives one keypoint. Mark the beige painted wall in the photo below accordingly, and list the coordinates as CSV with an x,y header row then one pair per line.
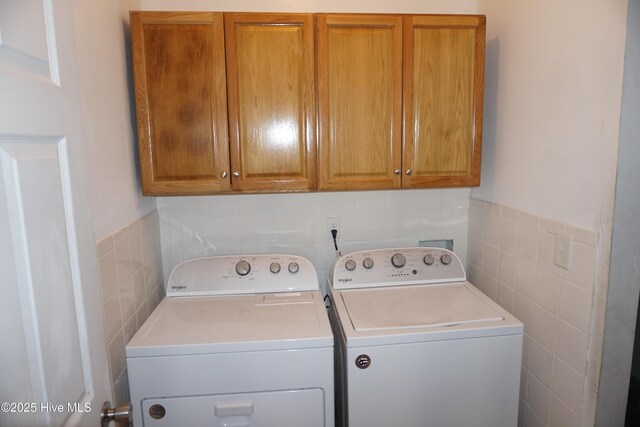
x,y
551,126
111,154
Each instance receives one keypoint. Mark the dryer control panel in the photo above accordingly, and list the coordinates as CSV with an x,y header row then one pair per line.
x,y
242,274
396,267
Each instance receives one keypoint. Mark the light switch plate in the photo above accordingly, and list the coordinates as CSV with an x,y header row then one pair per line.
x,y
564,247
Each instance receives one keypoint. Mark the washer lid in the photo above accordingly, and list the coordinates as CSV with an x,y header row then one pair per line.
x,y
416,307
420,313
222,324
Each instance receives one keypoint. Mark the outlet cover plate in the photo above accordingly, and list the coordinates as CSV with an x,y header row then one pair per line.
x,y
564,247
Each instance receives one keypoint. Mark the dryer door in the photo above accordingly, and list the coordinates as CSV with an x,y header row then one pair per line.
x,y
293,408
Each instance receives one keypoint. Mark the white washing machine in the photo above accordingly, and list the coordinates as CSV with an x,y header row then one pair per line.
x,y
238,341
419,346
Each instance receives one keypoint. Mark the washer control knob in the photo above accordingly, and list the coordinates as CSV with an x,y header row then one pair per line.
x,y
274,267
243,267
350,265
367,263
428,259
445,259
398,260
293,267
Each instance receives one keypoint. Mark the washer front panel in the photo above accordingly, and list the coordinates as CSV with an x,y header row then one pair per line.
x,y
396,267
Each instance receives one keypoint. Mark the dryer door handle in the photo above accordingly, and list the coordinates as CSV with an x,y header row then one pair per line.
x,y
234,409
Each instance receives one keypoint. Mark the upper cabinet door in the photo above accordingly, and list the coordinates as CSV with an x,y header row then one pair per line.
x,y
271,91
443,93
181,102
359,60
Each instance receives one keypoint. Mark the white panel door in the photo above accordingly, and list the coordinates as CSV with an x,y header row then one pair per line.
x,y
53,368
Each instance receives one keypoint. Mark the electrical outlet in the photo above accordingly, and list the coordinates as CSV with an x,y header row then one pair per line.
x,y
564,247
333,223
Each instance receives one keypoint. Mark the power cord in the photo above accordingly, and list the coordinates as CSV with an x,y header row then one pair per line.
x,y
334,233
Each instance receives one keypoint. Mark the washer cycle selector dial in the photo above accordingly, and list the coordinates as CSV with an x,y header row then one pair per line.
x,y
428,259
293,267
274,267
367,263
445,259
243,267
350,265
398,260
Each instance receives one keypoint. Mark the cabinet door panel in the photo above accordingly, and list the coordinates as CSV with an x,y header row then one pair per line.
x,y
181,102
443,92
359,84
271,101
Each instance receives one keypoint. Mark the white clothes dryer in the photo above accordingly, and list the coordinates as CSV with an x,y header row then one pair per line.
x,y
419,346
238,341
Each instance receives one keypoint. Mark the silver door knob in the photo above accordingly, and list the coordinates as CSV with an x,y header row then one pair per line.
x,y
223,175
121,414
236,174
409,172
397,171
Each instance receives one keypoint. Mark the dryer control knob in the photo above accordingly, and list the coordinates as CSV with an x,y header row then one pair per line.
x,y
445,259
243,267
367,263
274,267
293,267
398,260
428,259
350,265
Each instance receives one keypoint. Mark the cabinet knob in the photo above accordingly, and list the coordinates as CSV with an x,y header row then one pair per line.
x,y
409,172
236,174
223,174
397,171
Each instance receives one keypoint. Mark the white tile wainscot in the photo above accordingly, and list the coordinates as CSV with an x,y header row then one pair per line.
x,y
296,223
510,258
131,278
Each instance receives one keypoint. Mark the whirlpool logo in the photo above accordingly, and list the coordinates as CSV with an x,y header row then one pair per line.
x,y
345,279
178,287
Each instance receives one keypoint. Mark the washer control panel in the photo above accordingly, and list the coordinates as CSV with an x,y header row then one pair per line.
x,y
242,274
395,267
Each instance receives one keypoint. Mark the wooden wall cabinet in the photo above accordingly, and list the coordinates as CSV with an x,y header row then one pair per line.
x,y
376,72
188,66
226,102
181,102
442,97
271,90
359,101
